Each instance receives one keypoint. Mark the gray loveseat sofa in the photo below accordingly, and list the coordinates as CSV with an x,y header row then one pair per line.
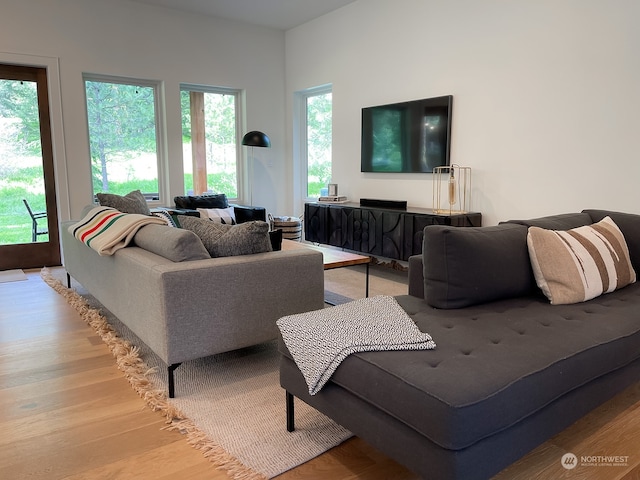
x,y
183,304
510,370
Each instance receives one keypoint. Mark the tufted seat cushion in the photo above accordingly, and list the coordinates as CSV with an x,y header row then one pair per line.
x,y
496,364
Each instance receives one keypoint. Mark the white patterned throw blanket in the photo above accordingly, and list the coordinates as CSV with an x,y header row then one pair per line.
x,y
107,230
320,340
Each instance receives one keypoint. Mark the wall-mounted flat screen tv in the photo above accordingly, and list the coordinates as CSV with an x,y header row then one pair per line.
x,y
407,137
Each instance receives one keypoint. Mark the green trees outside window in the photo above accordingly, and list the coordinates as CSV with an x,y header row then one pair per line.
x,y
122,136
318,119
21,172
213,132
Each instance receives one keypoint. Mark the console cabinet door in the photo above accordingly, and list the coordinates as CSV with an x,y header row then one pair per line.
x,y
345,227
414,232
374,232
315,223
337,223
414,225
393,234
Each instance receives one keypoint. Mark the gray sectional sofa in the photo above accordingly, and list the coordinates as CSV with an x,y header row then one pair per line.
x,y
183,304
510,369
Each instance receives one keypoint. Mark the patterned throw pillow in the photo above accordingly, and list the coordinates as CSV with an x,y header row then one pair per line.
x,y
220,215
223,240
244,239
209,232
166,216
132,202
580,264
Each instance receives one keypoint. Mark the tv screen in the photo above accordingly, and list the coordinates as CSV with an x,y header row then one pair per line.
x,y
407,137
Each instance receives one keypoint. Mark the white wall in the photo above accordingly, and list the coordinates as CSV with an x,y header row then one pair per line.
x,y
546,96
117,37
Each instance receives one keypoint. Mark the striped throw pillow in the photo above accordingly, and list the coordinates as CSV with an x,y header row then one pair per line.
x,y
219,215
576,265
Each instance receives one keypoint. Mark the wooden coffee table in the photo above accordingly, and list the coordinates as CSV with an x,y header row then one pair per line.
x,y
333,258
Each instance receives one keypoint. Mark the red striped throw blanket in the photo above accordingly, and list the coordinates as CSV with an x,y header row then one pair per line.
x,y
107,230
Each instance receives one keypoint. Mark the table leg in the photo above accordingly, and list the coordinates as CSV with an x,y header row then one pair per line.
x,y
366,289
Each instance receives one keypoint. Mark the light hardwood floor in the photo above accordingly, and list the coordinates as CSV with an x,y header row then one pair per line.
x,y
66,412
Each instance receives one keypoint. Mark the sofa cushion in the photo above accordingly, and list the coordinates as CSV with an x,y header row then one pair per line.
x,y
576,265
468,266
132,202
220,215
174,244
192,202
563,221
629,225
222,240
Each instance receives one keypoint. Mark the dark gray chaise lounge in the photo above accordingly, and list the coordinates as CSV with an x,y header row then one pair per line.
x,y
510,370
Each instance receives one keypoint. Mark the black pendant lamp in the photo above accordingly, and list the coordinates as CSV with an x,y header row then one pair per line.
x,y
256,139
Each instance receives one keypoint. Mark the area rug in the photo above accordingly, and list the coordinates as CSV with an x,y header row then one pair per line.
x,y
229,406
12,276
333,298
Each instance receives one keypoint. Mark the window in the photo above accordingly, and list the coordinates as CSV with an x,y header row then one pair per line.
x,y
315,117
210,139
123,135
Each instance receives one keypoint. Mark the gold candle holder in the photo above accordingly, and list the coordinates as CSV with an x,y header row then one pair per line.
x,y
451,189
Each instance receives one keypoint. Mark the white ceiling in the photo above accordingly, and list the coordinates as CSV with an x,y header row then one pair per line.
x,y
280,14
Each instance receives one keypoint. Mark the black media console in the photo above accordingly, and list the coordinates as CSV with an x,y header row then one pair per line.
x,y
384,232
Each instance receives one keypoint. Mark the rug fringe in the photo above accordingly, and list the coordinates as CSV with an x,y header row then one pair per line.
x,y
137,372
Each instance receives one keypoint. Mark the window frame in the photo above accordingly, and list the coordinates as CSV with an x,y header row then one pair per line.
x,y
300,137
241,187
160,128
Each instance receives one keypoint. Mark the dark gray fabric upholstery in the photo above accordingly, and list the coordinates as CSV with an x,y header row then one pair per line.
x,y
468,266
481,460
629,225
416,276
192,202
495,364
249,214
563,221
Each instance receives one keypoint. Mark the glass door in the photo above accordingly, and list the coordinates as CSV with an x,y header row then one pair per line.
x,y
28,213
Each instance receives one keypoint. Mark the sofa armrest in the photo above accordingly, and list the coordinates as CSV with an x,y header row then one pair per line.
x,y
247,214
416,276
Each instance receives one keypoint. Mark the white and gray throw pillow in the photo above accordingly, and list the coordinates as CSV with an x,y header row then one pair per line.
x,y
222,240
219,215
577,265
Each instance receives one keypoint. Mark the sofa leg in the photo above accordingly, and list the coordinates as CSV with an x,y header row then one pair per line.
x,y
290,413
68,280
172,387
